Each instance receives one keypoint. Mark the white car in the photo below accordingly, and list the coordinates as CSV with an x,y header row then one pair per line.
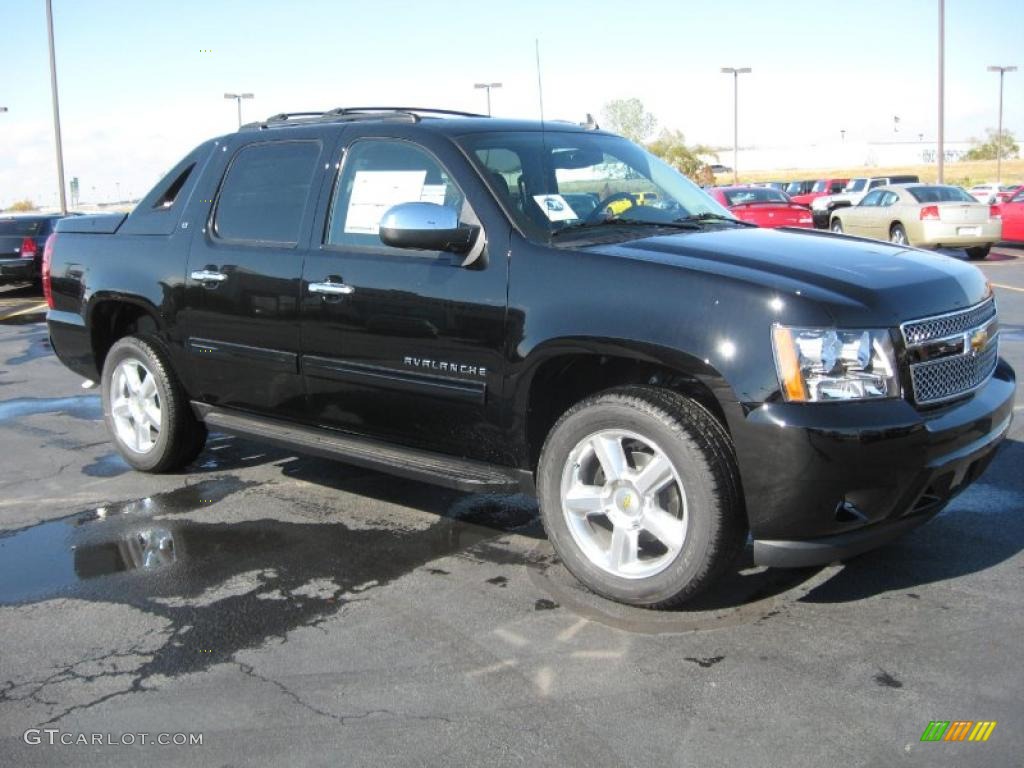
x,y
988,193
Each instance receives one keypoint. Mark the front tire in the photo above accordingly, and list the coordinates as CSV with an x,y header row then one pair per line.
x,y
146,410
978,254
640,496
836,226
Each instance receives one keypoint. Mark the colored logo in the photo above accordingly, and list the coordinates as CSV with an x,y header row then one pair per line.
x,y
958,730
979,339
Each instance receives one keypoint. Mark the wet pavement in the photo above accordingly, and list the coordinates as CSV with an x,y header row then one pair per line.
x,y
300,611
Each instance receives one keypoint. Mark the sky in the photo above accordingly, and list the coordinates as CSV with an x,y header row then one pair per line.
x,y
142,82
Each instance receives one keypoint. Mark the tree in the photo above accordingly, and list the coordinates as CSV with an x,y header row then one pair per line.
x,y
986,150
22,206
671,147
627,117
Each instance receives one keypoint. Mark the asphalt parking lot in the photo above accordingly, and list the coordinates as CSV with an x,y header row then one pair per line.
x,y
298,611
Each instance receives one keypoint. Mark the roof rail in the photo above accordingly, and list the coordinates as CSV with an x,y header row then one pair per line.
x,y
345,114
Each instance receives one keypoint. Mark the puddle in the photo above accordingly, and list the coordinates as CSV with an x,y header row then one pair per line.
x,y
86,407
228,586
38,345
26,319
110,465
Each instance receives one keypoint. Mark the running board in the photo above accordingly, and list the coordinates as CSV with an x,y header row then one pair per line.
x,y
435,468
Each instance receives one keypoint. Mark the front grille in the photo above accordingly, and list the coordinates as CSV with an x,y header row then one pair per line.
x,y
948,377
944,326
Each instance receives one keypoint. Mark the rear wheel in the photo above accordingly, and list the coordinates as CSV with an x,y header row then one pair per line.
x,y
640,496
837,226
979,253
146,410
898,235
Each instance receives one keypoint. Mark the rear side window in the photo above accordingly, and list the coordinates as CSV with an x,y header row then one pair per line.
x,y
20,227
264,194
169,195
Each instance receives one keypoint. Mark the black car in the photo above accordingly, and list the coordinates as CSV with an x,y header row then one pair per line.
x,y
417,292
22,239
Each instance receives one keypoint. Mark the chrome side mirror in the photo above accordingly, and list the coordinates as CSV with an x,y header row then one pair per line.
x,y
425,226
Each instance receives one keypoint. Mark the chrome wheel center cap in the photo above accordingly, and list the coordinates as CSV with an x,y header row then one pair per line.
x,y
627,502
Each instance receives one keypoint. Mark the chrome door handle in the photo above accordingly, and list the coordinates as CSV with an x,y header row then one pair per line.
x,y
332,289
208,276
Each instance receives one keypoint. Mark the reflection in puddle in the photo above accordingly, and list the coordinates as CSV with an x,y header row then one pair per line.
x,y
147,548
86,407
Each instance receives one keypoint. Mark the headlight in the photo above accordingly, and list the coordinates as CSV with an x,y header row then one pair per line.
x,y
820,203
822,364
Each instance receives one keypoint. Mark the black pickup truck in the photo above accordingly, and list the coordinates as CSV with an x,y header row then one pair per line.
x,y
500,305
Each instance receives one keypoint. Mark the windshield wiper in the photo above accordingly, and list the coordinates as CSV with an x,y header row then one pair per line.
x,y
709,216
583,225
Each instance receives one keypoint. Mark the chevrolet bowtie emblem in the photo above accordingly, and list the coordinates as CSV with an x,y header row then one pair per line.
x,y
978,340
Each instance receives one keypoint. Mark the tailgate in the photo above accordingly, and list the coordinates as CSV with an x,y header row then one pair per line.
x,y
964,213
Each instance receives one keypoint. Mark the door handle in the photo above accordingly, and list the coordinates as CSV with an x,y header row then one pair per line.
x,y
331,289
208,276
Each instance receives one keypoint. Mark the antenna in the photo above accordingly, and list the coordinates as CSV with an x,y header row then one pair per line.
x,y
540,86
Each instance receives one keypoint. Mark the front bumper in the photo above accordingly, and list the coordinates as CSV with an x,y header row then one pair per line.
x,y
820,218
17,270
828,481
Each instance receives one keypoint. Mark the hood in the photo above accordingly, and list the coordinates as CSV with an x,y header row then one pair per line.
x,y
859,282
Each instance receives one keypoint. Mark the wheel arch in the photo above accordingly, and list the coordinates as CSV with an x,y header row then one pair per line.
x,y
112,316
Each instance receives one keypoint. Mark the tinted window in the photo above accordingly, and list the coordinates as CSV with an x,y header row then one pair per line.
x,y
837,187
20,227
377,175
264,194
855,185
755,195
940,195
876,183
872,198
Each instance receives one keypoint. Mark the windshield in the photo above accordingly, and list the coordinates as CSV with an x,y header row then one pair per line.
x,y
555,181
754,195
820,186
940,195
794,188
855,185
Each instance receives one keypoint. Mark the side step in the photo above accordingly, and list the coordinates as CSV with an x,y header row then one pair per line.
x,y
435,468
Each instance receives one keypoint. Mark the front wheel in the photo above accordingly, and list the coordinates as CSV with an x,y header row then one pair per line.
x,y
146,410
639,496
978,254
837,226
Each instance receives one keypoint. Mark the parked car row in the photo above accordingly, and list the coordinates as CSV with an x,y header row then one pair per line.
x,y
994,193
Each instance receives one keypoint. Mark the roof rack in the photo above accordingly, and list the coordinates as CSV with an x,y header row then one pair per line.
x,y
347,114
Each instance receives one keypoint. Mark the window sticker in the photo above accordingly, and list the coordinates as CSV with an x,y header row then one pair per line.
x,y
373,192
555,207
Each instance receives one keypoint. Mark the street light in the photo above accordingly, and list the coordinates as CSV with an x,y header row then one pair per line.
x,y
56,108
999,135
488,86
735,72
238,98
941,134
842,134
895,124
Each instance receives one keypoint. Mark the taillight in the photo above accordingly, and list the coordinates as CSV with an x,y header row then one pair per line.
x,y
47,258
28,248
994,212
930,213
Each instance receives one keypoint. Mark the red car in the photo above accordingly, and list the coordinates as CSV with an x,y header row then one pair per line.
x,y
1012,212
821,187
763,206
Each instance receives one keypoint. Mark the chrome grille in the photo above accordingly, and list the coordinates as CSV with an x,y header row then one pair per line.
x,y
944,326
949,377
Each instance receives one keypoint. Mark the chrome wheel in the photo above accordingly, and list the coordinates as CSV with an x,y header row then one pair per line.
x,y
898,236
135,406
624,504
837,227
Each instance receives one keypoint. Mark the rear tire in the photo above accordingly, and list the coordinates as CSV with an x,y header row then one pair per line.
x,y
978,254
898,235
836,226
656,538
146,410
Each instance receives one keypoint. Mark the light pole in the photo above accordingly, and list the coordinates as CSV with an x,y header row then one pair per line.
x,y
942,92
842,134
56,108
488,86
999,133
735,72
895,124
238,99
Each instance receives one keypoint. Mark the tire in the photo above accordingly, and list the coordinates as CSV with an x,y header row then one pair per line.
x,y
163,444
898,235
836,226
978,254
701,496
